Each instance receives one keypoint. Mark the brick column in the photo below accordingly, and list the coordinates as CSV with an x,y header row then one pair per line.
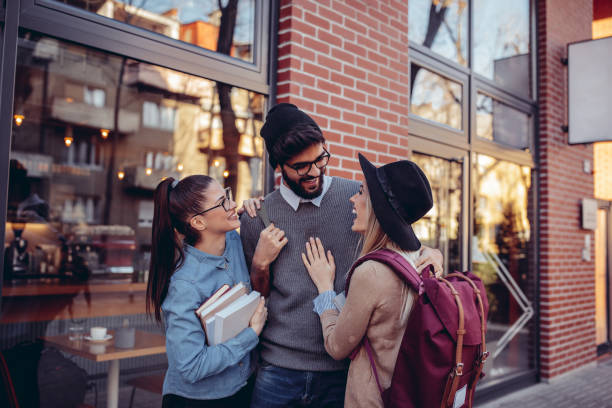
x,y
567,283
346,64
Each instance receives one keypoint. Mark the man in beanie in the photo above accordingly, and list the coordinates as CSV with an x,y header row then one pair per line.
x,y
295,369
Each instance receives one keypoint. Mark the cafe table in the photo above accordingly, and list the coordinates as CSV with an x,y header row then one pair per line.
x,y
145,344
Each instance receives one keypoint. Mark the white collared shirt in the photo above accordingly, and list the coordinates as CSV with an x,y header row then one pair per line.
x,y
294,200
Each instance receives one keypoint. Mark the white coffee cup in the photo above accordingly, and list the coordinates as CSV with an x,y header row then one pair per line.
x,y
97,333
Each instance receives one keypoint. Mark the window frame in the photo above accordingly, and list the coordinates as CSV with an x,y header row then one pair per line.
x,y
66,22
501,150
430,129
530,375
86,29
441,139
9,38
425,146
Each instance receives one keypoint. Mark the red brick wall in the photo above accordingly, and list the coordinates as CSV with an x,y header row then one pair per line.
x,y
567,284
347,66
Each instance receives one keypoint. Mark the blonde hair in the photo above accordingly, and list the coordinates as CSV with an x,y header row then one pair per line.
x,y
373,239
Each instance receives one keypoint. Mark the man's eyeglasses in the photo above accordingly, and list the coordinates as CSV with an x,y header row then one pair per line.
x,y
226,203
303,168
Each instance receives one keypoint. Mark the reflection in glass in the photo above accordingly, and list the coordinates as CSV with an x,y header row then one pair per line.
x,y
441,226
440,26
435,97
502,43
499,122
227,29
502,256
80,213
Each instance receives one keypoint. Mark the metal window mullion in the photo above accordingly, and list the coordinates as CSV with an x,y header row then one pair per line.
x,y
466,230
43,7
470,34
499,94
7,84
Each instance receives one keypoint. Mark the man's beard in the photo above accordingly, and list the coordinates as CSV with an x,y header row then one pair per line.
x,y
297,188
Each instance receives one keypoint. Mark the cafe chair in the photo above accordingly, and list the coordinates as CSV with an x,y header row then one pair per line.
x,y
153,383
8,396
57,381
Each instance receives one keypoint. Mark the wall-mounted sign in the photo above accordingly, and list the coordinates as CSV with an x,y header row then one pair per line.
x,y
589,96
589,213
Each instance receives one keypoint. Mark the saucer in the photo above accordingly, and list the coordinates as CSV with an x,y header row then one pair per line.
x,y
91,339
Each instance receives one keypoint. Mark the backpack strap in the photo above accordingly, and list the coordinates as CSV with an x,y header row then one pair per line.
x,y
370,353
484,353
452,383
396,262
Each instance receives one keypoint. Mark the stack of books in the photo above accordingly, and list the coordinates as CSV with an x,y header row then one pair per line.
x,y
227,312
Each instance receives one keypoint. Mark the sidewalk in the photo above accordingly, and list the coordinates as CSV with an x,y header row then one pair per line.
x,y
586,388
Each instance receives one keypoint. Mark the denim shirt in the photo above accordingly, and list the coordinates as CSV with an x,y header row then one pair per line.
x,y
196,370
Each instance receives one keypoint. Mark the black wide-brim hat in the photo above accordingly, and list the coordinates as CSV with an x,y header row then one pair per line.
x,y
401,195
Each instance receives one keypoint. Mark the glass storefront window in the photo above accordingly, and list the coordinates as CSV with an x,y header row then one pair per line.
x,y
435,97
502,43
93,135
502,256
499,122
441,226
228,29
440,26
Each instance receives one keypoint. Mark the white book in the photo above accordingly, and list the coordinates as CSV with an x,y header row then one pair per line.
x,y
213,298
225,300
234,318
229,297
210,330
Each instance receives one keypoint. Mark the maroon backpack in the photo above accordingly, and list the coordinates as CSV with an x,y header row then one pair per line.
x,y
443,349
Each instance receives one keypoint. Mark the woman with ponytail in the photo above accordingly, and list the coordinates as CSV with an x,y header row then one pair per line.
x,y
196,250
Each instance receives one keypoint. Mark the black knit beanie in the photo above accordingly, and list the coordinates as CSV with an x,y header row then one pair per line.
x,y
281,119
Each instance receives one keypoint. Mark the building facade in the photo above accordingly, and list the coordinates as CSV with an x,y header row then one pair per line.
x,y
104,98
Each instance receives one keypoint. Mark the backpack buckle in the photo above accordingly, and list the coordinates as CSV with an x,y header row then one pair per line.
x,y
459,369
484,357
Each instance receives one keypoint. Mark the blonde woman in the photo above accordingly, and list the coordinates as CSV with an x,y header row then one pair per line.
x,y
378,303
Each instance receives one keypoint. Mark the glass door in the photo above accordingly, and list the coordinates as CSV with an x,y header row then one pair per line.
x,y
602,279
441,226
502,255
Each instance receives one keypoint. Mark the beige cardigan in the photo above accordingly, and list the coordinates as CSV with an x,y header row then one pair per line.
x,y
373,307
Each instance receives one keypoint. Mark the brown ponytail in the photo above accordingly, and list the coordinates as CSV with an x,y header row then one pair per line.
x,y
173,208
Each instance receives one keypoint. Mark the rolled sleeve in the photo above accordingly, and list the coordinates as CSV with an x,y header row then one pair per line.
x,y
324,301
186,343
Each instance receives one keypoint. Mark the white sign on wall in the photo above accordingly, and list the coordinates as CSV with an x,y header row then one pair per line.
x,y
590,91
589,214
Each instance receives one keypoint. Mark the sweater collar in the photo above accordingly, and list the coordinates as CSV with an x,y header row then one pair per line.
x,y
294,200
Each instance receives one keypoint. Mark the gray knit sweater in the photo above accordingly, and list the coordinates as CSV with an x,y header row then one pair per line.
x,y
292,337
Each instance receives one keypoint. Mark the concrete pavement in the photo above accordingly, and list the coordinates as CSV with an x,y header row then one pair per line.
x,y
589,387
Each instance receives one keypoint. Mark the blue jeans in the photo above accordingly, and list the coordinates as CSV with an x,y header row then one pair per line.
x,y
282,387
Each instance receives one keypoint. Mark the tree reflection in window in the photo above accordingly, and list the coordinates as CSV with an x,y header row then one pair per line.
x,y
501,123
502,256
98,132
436,98
441,226
440,25
502,43
194,22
